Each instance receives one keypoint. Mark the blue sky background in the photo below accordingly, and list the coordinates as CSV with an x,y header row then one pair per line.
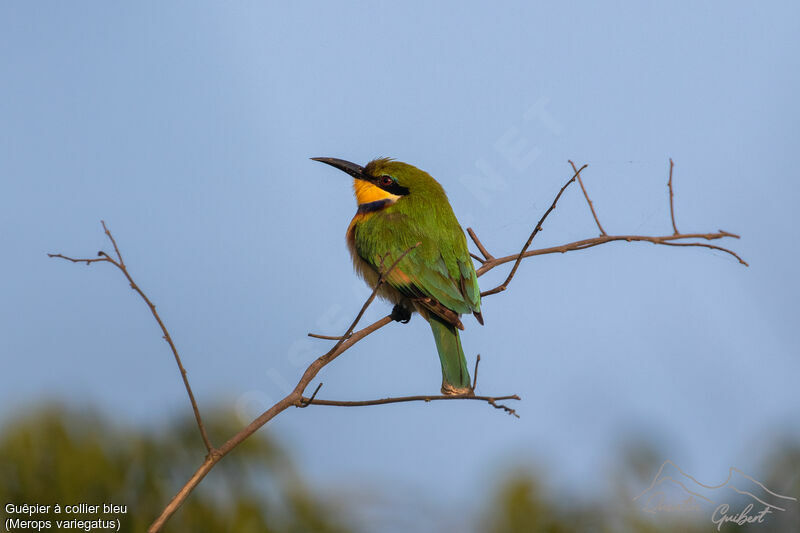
x,y
188,128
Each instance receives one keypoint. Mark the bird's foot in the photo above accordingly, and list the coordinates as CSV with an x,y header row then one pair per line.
x,y
401,314
450,390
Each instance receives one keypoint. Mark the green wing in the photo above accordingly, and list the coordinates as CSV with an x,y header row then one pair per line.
x,y
439,268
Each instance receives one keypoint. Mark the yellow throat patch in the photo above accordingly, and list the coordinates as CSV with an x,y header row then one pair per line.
x,y
367,193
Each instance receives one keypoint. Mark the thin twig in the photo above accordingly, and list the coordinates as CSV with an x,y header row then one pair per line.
x,y
381,281
113,242
326,337
711,246
306,402
479,244
475,256
503,407
120,264
102,259
475,374
671,203
503,286
586,195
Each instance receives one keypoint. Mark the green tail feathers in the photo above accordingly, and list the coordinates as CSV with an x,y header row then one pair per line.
x,y
455,375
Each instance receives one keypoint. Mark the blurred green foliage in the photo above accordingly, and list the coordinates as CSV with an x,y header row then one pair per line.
x,y
522,505
63,456
56,455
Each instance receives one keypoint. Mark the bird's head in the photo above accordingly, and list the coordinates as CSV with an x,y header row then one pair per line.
x,y
385,180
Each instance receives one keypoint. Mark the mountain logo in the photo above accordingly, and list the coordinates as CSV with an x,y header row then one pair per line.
x,y
740,499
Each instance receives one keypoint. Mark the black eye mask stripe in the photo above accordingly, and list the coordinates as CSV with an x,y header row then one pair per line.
x,y
394,188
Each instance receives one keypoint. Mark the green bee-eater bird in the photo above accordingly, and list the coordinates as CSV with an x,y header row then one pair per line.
x,y
399,206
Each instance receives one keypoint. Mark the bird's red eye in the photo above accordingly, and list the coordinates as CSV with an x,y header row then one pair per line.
x,y
386,181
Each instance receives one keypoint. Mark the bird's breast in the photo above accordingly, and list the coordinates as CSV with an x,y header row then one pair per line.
x,y
362,267
366,271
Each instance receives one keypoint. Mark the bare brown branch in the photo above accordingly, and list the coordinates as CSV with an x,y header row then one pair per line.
x,y
351,337
297,399
421,398
120,264
503,286
586,195
491,262
293,398
381,281
595,241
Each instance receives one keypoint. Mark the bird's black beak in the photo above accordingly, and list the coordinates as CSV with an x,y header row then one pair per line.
x,y
357,171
